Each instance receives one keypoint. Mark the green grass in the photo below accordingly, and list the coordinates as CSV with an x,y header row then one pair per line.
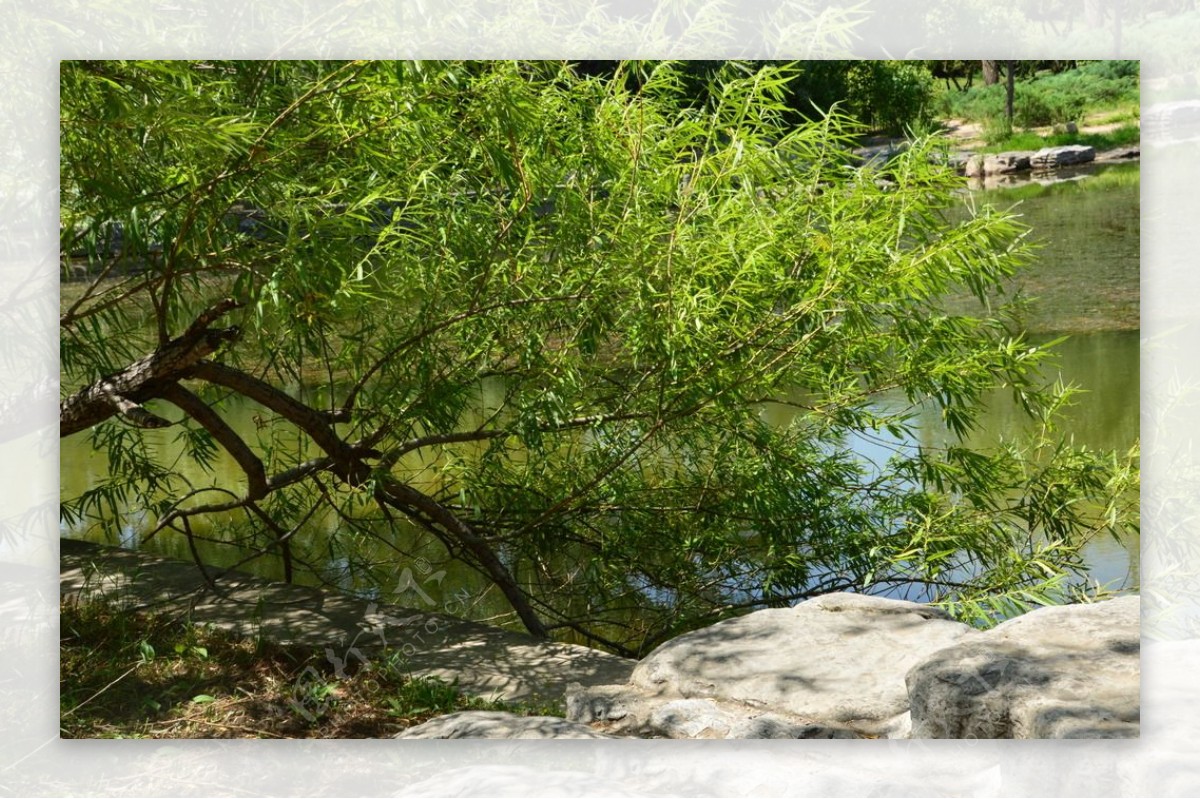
x,y
1123,136
126,675
1120,114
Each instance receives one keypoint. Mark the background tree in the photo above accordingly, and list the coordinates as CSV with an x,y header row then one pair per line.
x,y
538,315
1050,93
891,96
953,71
1010,89
991,72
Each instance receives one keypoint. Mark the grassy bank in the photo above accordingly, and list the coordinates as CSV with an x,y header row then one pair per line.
x,y
1124,136
125,675
1104,96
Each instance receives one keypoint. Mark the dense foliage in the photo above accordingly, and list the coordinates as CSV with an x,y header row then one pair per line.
x,y
1050,97
892,96
541,315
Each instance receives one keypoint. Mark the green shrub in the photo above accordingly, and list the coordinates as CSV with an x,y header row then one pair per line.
x,y
977,103
996,130
890,95
1034,105
1111,70
886,95
998,142
1050,99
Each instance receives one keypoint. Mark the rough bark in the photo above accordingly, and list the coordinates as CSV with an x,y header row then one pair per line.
x,y
403,497
199,410
348,459
1010,89
991,72
124,392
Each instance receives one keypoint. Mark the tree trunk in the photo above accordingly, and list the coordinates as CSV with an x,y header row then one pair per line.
x,y
991,73
404,498
1008,96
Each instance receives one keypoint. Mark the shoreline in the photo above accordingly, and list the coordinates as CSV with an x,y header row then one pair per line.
x,y
967,153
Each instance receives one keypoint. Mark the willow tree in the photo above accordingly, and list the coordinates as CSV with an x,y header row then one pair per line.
x,y
545,313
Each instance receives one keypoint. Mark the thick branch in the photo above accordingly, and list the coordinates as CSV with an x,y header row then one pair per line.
x,y
134,413
347,459
406,497
199,410
145,378
157,376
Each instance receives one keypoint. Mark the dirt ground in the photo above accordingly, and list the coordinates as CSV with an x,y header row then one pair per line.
x,y
968,135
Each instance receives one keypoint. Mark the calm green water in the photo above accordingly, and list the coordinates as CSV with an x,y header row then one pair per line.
x,y
1086,283
1088,231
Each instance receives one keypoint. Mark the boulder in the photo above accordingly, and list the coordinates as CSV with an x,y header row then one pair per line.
x,y
626,711
955,159
1120,154
1058,672
837,661
495,724
998,163
1006,163
1067,155
707,718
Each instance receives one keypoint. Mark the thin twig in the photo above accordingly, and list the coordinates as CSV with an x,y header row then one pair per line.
x,y
129,671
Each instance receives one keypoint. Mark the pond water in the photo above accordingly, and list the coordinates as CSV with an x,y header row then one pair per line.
x,y
1086,282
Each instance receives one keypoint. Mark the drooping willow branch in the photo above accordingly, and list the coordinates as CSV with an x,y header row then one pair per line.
x,y
441,520
411,341
480,434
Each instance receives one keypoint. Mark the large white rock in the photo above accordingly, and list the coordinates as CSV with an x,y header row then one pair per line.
x,y
708,718
838,660
627,711
1066,155
1060,672
496,724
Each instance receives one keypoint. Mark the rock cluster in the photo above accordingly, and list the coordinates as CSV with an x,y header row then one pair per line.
x,y
837,661
1067,155
997,164
1025,160
855,666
